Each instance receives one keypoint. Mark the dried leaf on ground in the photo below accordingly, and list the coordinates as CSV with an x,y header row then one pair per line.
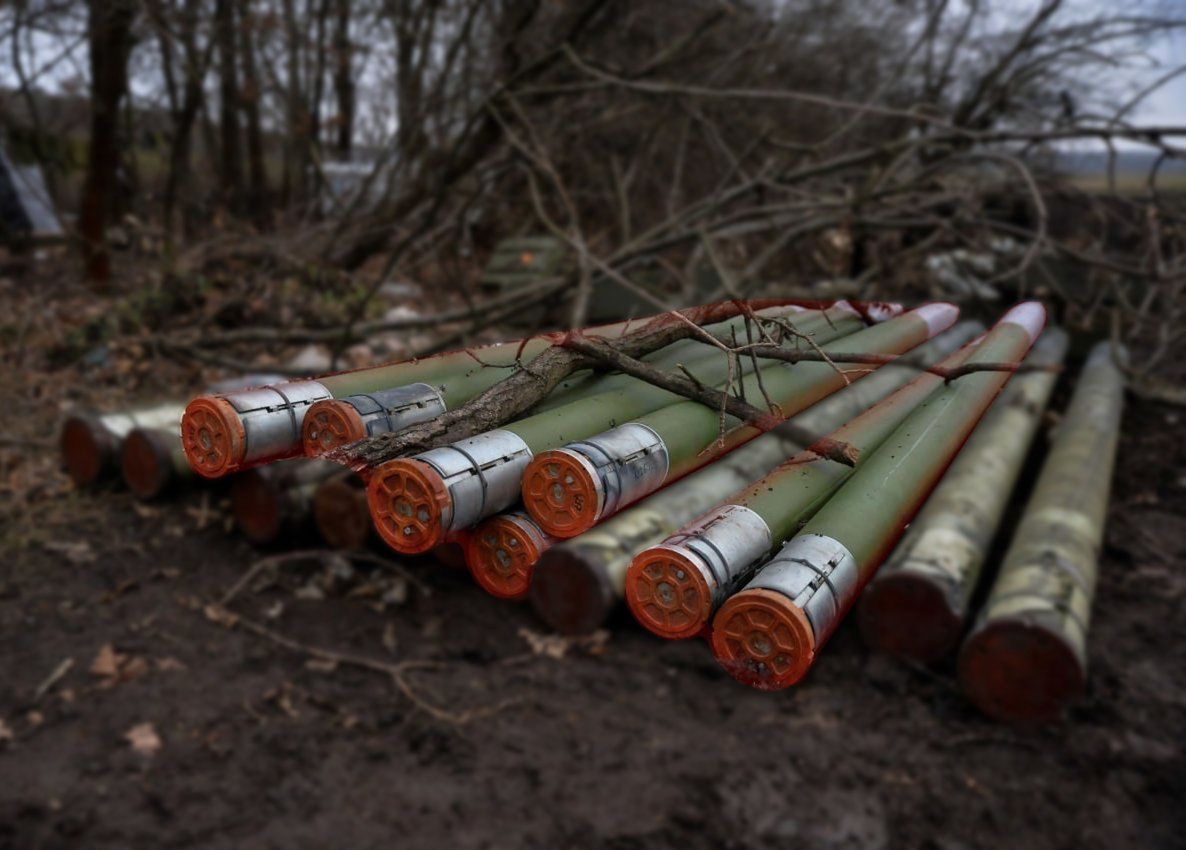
x,y
143,739
115,667
76,552
557,646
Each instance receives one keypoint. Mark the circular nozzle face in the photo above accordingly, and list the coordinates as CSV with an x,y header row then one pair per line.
x,y
908,616
561,493
571,591
501,555
255,505
87,449
667,593
212,436
145,464
1019,672
763,640
407,499
340,514
329,424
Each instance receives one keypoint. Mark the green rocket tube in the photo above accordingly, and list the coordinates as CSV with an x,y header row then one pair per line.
x,y
769,634
418,502
1026,657
571,489
223,433
91,443
674,587
916,606
331,423
579,582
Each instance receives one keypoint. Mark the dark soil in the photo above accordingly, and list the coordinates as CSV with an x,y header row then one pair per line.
x,y
630,743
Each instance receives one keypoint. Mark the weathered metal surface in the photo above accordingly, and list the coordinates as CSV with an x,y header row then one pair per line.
x,y
340,512
417,502
690,432
917,604
580,581
90,442
226,432
862,521
619,466
275,502
501,553
331,423
674,587
1026,657
153,462
782,501
582,418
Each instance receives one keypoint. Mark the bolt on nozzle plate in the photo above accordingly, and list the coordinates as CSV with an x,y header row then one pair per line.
x,y
501,554
410,505
668,594
331,423
763,640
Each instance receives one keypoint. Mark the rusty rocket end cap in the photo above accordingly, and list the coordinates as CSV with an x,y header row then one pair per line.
x,y
255,505
667,593
340,513
572,591
906,615
762,639
145,464
501,556
88,450
407,499
561,493
328,424
212,436
1020,672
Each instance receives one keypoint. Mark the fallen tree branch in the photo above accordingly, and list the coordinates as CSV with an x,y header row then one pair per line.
x,y
531,383
764,420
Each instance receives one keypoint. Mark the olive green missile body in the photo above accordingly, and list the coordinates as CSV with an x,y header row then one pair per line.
x,y
227,432
674,587
917,605
570,489
1026,657
769,634
420,501
579,582
224,432
332,423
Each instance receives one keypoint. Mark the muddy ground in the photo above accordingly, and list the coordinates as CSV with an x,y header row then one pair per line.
x,y
136,715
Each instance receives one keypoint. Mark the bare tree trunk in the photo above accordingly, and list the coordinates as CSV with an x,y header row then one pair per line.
x,y
109,34
343,78
294,108
258,197
230,137
185,115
